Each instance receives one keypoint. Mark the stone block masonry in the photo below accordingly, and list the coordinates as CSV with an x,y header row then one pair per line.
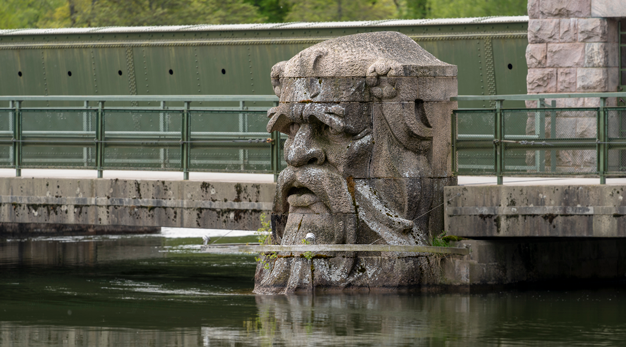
x,y
560,211
53,205
567,44
571,49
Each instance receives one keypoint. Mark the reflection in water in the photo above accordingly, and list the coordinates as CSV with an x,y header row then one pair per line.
x,y
125,291
77,251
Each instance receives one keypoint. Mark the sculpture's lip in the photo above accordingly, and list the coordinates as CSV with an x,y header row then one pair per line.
x,y
313,187
300,196
303,199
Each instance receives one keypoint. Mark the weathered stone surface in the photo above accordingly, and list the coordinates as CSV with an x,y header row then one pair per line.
x,y
437,89
608,8
586,127
24,230
565,8
569,30
566,54
613,73
567,80
541,80
613,53
368,119
592,30
320,275
592,80
345,57
355,89
533,9
142,203
596,55
536,55
440,116
572,102
613,29
594,211
543,30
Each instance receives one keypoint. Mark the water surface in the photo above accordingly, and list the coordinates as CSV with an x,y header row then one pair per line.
x,y
159,291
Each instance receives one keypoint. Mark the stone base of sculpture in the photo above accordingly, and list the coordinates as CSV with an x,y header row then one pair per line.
x,y
346,272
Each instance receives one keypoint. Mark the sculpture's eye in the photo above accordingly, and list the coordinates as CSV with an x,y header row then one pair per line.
x,y
330,131
293,129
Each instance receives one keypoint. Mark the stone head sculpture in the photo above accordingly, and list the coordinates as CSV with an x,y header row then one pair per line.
x,y
368,121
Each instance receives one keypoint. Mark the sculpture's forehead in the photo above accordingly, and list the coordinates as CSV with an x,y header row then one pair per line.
x,y
324,89
351,56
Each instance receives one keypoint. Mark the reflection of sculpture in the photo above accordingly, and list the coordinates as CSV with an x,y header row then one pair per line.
x,y
368,155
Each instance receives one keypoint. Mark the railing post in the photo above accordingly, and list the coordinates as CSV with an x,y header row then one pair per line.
x,y
602,148
100,138
540,125
186,134
242,128
553,136
499,146
162,129
85,129
17,138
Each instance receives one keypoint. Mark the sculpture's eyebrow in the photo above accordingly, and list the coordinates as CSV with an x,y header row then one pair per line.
x,y
279,121
329,115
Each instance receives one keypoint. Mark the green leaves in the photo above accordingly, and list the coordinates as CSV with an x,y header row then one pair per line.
x,y
340,10
96,13
475,8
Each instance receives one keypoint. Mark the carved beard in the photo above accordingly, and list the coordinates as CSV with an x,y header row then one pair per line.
x,y
291,272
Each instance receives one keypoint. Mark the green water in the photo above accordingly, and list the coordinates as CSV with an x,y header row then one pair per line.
x,y
156,291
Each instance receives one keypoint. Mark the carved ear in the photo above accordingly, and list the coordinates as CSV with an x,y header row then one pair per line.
x,y
417,121
383,67
406,124
277,73
316,56
406,118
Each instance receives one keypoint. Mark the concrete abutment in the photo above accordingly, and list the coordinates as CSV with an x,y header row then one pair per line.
x,y
42,206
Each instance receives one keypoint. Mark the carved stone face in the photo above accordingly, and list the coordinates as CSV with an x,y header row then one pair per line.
x,y
362,163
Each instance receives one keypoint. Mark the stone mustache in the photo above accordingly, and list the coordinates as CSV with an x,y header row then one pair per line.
x,y
368,155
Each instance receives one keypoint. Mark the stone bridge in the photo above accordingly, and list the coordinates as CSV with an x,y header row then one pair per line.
x,y
87,205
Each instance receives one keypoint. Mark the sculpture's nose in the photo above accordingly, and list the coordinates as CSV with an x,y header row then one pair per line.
x,y
304,149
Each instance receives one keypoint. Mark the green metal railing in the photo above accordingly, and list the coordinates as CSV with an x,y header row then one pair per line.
x,y
184,133
542,141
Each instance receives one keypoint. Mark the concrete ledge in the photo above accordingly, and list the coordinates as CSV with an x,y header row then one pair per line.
x,y
134,203
333,248
535,211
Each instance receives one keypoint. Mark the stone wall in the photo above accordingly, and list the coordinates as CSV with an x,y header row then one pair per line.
x,y
54,205
569,51
572,50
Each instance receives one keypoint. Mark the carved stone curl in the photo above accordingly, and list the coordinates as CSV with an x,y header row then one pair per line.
x,y
368,154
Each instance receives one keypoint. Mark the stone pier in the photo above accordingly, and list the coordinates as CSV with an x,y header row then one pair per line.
x,y
573,48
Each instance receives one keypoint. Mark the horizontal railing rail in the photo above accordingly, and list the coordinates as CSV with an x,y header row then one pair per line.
x,y
545,140
140,135
143,98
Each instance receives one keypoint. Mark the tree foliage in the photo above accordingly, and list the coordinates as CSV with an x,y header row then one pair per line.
x,y
16,14
273,11
475,8
93,13
340,10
